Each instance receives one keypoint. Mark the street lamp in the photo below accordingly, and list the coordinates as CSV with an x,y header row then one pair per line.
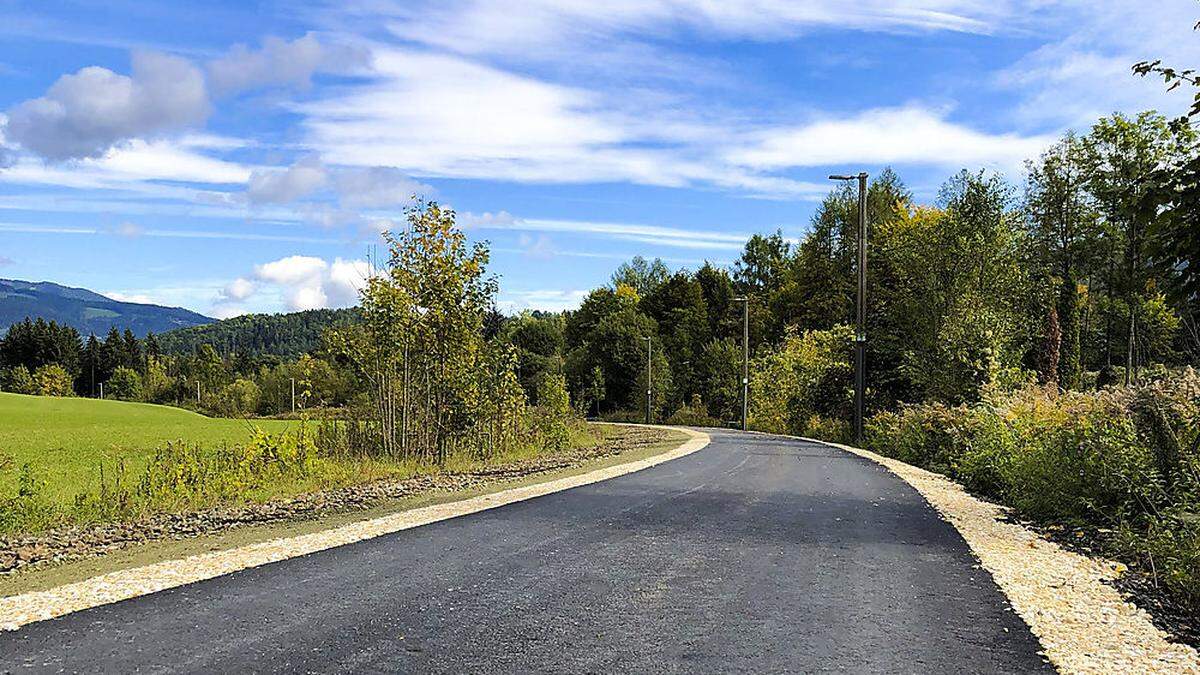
x,y
860,330
745,357
649,390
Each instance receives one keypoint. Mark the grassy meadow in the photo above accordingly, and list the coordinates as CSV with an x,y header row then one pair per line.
x,y
66,439
67,461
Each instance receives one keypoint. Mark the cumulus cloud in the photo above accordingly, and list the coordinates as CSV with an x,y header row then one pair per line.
x,y
238,290
280,62
308,282
281,186
87,113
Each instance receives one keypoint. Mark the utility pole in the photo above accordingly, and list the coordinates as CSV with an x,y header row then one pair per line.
x,y
197,392
293,394
860,330
745,300
649,388
101,391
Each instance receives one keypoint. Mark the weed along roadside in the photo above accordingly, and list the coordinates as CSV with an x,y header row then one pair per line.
x,y
213,509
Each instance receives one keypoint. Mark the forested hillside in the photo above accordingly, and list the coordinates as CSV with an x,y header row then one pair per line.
x,y
255,335
87,312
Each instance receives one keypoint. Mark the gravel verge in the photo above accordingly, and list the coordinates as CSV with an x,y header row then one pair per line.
x,y
1067,599
25,608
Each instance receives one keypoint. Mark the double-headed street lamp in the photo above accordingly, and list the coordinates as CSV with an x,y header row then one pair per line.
x,y
860,332
745,300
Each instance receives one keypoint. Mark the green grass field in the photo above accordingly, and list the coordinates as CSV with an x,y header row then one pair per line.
x,y
66,439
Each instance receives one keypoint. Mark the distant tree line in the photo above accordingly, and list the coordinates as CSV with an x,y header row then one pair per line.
x,y
286,336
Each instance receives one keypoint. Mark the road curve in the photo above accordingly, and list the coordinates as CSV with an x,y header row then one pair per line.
x,y
757,553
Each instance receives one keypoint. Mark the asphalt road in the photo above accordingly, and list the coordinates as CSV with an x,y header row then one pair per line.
x,y
754,554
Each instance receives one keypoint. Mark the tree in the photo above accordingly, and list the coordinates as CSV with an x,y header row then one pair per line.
x,y
956,297
434,382
125,384
1066,235
760,269
238,398
156,384
539,344
20,381
52,380
641,275
1121,155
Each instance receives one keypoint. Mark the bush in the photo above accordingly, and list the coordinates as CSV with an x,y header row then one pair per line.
x,y
53,380
808,376
1121,460
125,384
19,381
694,414
237,399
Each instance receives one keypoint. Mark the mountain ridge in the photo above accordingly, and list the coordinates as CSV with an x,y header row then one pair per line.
x,y
87,311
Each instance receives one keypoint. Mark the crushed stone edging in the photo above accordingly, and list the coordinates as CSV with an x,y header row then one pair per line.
x,y
20,610
1082,622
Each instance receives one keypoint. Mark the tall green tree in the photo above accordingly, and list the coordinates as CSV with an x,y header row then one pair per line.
x,y
1065,233
1121,154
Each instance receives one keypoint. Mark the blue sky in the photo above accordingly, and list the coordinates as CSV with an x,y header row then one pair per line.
x,y
243,156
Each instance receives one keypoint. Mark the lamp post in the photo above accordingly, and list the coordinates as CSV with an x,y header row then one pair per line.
x,y
860,329
649,389
745,300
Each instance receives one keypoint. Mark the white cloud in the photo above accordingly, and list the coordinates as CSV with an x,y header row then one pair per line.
x,y
140,298
548,26
239,289
910,135
551,300
1084,70
87,113
280,62
652,234
308,282
377,186
281,186
129,230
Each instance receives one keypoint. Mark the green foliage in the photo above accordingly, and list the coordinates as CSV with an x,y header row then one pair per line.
x,y
124,385
20,381
52,380
286,336
641,275
807,376
1122,459
693,414
238,398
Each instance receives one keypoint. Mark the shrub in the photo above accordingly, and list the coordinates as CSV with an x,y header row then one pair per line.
x,y
19,381
238,398
1125,460
694,414
807,376
125,384
53,380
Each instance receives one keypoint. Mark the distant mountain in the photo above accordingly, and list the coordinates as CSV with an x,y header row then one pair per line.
x,y
283,335
86,311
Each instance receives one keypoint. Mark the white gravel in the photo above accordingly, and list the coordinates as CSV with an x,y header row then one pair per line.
x,y
19,610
